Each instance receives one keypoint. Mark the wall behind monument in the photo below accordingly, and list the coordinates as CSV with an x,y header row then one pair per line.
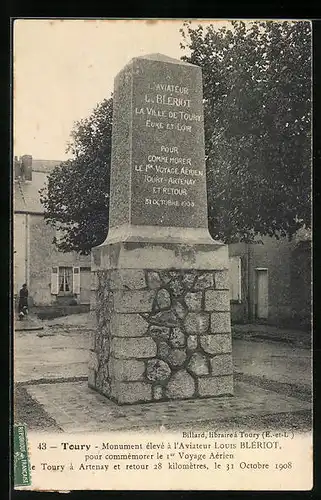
x,y
288,265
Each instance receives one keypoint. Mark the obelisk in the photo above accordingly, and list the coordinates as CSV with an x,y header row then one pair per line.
x,y
160,282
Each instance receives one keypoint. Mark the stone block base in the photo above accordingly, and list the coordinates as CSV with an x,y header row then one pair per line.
x,y
161,334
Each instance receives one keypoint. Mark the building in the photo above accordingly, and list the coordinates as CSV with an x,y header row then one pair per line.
x,y
272,281
51,276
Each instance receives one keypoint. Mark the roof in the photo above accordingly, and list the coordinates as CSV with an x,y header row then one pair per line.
x,y
26,194
44,165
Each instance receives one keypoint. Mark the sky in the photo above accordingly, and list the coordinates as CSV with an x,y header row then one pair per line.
x,y
63,68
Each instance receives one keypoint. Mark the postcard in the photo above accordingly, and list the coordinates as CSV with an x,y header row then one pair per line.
x,y
161,177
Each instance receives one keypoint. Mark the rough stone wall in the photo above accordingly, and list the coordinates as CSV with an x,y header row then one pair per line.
x,y
161,335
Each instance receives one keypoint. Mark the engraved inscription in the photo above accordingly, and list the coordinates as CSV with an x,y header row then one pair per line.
x,y
168,164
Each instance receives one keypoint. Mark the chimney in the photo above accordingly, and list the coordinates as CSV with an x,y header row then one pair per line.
x,y
26,167
17,168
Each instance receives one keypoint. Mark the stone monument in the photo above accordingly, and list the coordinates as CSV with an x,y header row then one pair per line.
x,y
160,282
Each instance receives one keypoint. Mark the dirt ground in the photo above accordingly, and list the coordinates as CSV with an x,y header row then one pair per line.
x,y
274,364
31,413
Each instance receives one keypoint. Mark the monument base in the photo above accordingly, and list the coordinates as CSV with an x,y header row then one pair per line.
x,y
163,328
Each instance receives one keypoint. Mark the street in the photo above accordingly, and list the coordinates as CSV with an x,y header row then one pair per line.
x,y
271,377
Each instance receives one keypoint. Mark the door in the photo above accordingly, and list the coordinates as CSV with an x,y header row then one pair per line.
x,y
262,293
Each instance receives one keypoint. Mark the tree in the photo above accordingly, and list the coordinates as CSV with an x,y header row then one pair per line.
x,y
76,200
257,100
257,112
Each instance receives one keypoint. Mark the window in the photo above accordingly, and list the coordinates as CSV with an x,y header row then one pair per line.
x,y
65,279
235,279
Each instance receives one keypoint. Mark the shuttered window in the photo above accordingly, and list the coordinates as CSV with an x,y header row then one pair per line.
x,y
235,272
65,280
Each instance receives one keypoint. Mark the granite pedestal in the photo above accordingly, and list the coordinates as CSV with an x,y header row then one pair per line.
x,y
160,282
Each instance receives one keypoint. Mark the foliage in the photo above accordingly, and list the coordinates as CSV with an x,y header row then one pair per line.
x,y
257,111
257,100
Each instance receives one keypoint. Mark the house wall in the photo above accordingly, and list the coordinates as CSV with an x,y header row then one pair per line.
x,y
19,249
43,256
240,310
34,253
289,279
275,255
301,282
